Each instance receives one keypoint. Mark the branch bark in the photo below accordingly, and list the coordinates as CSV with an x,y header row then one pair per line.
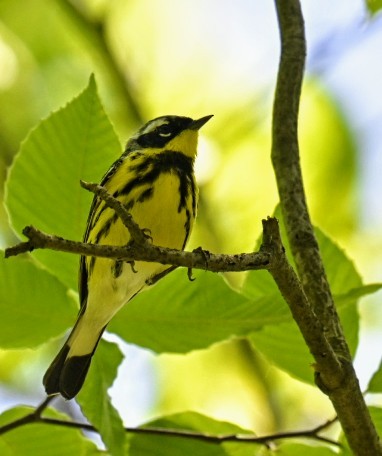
x,y
36,417
335,373
266,440
198,259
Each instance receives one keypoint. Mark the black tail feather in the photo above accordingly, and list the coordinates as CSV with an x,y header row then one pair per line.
x,y
52,376
73,375
67,374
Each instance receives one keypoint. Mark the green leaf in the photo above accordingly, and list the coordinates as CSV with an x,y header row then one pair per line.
x,y
160,445
34,305
285,347
177,315
374,6
348,311
280,340
341,272
376,416
354,294
42,439
259,284
299,449
43,189
245,449
95,402
375,383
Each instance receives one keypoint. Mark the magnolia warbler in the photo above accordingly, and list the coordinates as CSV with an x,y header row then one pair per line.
x,y
154,179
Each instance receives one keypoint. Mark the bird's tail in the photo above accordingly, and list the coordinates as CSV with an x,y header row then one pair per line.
x,y
68,370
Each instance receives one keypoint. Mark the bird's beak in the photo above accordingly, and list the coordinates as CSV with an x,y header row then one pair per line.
x,y
197,124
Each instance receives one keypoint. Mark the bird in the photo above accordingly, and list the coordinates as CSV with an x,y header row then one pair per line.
x,y
154,180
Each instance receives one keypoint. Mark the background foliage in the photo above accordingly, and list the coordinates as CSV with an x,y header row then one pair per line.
x,y
197,355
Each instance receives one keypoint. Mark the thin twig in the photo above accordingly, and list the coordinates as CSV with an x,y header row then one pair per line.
x,y
185,433
36,417
136,232
44,404
32,417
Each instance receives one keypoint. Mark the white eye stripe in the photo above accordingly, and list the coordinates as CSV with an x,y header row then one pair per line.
x,y
154,125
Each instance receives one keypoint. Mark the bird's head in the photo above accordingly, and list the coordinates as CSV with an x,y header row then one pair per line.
x,y
169,133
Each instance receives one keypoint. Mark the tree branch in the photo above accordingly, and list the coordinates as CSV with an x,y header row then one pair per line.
x,y
286,164
335,373
184,433
199,259
36,417
287,281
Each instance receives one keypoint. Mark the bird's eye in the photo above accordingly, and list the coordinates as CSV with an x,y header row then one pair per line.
x,y
164,130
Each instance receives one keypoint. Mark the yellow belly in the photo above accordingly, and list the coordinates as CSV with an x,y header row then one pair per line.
x,y
160,215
